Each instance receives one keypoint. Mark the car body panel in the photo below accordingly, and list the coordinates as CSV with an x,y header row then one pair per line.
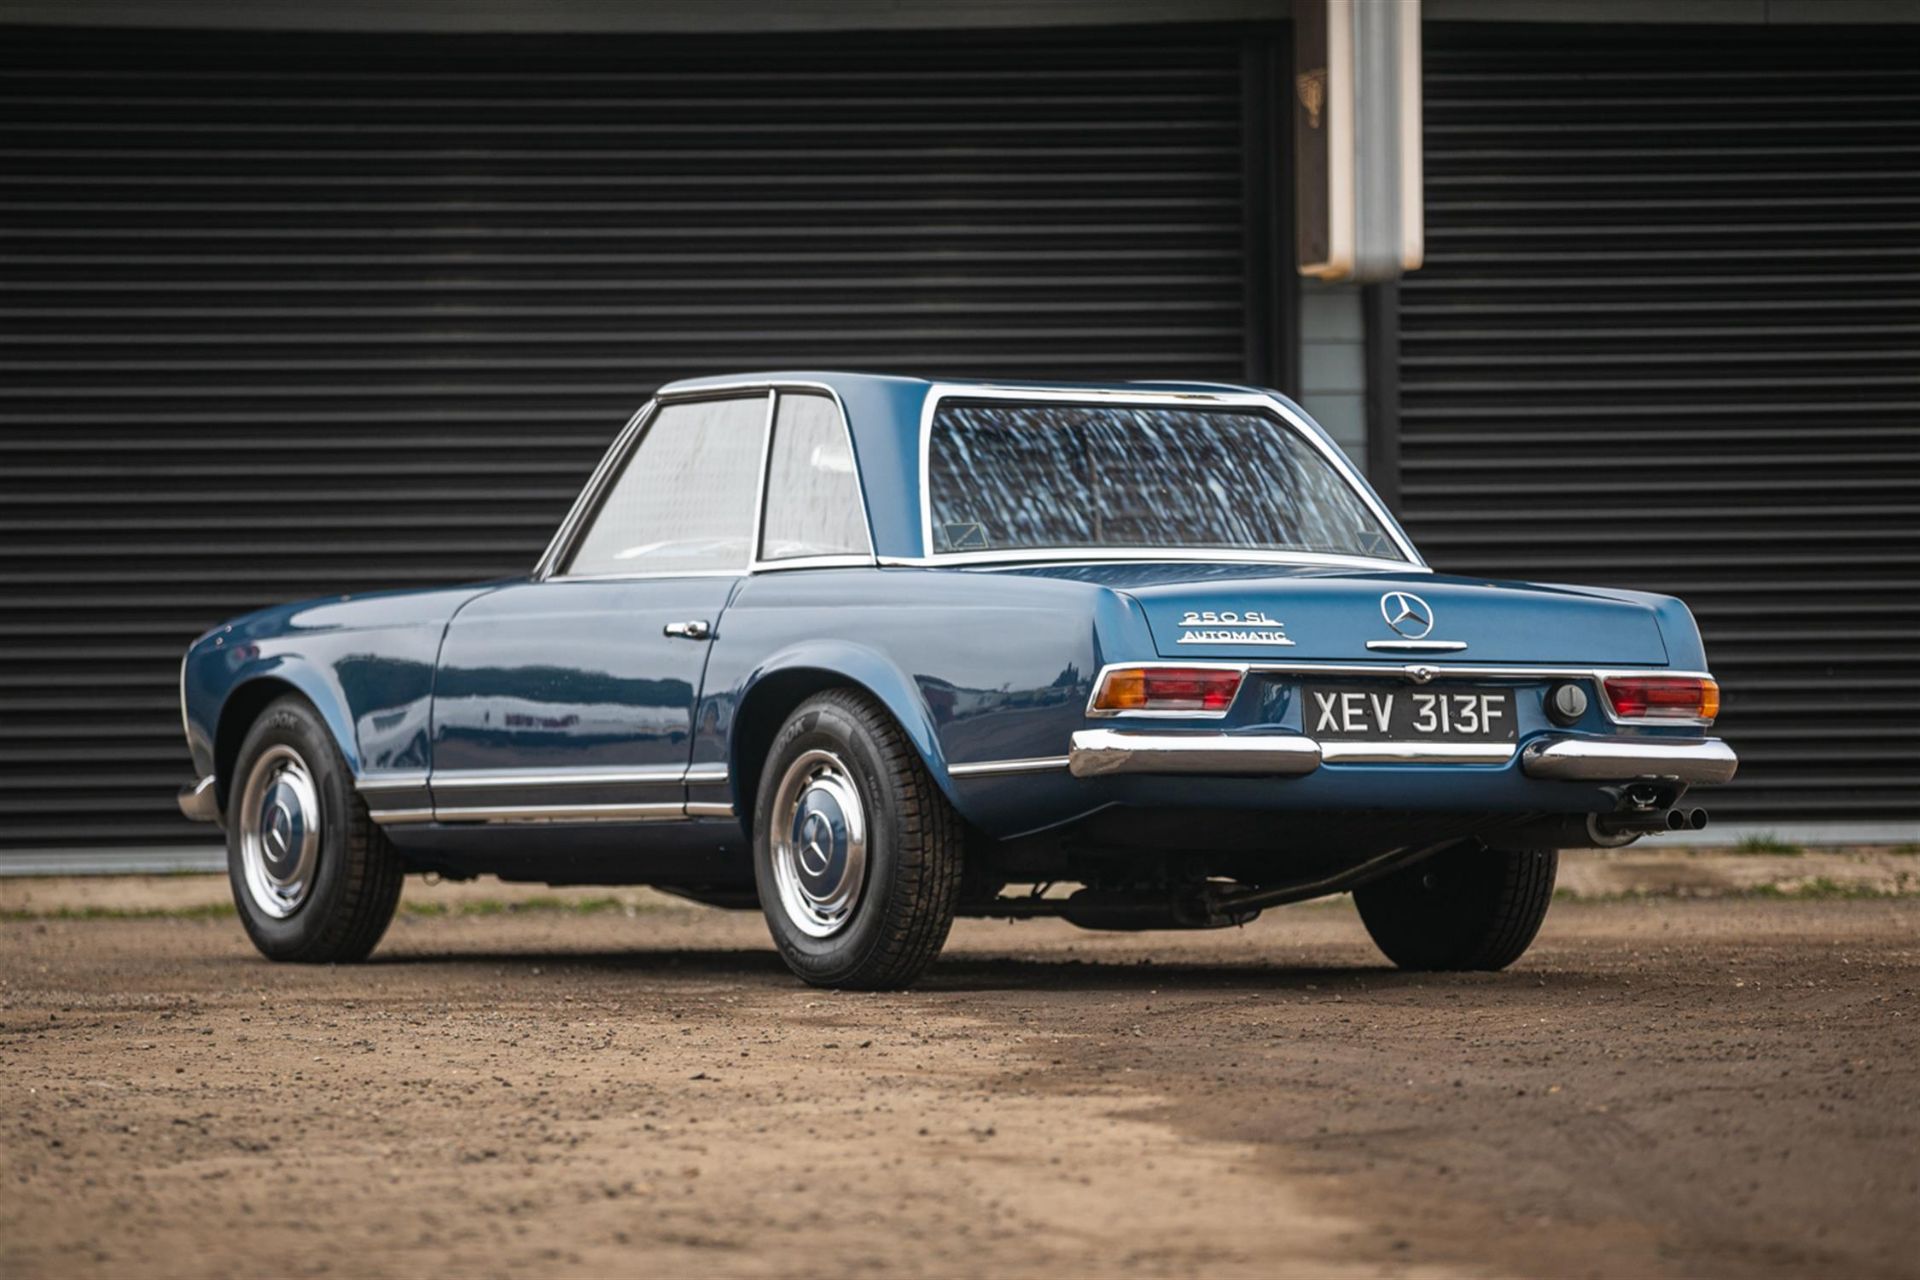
x,y
562,701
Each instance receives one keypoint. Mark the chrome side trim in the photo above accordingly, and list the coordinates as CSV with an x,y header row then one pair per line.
x,y
200,802
374,783
1419,646
550,811
1417,752
1707,760
1165,399
995,768
1103,751
656,775
666,812
399,817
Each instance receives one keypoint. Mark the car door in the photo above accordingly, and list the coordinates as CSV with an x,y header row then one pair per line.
x,y
571,697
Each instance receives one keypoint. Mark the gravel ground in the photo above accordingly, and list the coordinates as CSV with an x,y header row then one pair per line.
x,y
1662,1087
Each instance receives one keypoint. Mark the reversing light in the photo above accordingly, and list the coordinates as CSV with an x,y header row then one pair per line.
x,y
1663,697
1167,689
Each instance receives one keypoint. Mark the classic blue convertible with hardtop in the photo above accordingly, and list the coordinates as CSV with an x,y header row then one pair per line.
x,y
872,652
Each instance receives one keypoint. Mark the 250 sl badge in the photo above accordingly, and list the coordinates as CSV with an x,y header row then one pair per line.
x,y
1230,627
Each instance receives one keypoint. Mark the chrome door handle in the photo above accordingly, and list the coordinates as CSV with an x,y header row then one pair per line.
x,y
697,629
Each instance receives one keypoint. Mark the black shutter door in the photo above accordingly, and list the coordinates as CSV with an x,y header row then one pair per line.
x,y
283,316
1668,337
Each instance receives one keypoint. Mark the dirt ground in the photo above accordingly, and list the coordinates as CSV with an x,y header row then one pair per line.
x,y
1662,1087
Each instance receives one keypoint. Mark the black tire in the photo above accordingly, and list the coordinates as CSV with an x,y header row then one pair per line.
x,y
895,921
1466,907
353,884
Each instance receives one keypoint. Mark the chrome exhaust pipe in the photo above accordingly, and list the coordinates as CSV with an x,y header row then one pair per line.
x,y
1686,819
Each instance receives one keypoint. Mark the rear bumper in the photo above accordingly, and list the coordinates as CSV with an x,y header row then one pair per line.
x,y
199,802
1100,752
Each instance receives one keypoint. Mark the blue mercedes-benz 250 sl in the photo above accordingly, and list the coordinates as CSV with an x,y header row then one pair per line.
x,y
875,651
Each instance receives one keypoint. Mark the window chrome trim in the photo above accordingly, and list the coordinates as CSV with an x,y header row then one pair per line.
x,y
563,537
1146,398
1143,555
600,483
835,559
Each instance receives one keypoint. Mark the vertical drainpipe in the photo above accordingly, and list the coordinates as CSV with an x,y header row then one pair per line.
x,y
1362,196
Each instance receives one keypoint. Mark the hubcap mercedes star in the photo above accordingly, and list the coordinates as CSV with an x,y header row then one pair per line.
x,y
819,839
279,832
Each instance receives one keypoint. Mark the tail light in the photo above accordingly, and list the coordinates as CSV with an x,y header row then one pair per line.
x,y
1167,689
1663,697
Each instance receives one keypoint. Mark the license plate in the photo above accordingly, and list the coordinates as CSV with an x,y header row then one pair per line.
x,y
1396,713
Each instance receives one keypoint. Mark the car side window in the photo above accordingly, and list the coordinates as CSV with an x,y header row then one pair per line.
x,y
813,493
683,501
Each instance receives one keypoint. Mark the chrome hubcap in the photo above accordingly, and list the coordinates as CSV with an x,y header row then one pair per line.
x,y
279,831
819,842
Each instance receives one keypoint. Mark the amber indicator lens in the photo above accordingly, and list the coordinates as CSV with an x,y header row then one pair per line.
x,y
1663,697
1167,689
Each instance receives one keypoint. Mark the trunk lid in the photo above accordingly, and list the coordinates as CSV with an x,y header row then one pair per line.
x,y
1281,613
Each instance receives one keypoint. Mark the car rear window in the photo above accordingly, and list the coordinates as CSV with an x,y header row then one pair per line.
x,y
1011,476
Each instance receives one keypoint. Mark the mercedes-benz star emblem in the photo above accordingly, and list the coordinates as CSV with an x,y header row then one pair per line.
x,y
1407,614
816,835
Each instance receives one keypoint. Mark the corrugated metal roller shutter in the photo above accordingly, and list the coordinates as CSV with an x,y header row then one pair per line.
x,y
1669,337
291,315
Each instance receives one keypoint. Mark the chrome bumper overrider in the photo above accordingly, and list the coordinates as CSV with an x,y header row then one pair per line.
x,y
199,802
1611,759
1097,752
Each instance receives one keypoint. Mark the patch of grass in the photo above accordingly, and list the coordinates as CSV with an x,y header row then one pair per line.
x,y
1908,850
1766,842
428,910
499,907
1821,889
1817,889
199,911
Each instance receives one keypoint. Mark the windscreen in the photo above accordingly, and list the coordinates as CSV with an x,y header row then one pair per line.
x,y
1009,476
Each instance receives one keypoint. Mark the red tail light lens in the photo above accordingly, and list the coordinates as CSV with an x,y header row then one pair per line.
x,y
1663,697
1167,689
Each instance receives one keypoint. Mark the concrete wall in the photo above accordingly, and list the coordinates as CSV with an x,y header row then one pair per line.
x,y
1333,363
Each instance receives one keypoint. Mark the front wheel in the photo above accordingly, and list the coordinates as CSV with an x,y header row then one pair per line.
x,y
315,880
1466,907
856,854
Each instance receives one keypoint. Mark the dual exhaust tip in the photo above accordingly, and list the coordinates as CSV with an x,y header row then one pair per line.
x,y
1686,819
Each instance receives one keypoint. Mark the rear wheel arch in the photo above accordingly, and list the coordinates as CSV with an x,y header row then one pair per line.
x,y
769,700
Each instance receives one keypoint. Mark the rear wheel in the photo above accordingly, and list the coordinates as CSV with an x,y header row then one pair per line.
x,y
857,855
314,879
1466,907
